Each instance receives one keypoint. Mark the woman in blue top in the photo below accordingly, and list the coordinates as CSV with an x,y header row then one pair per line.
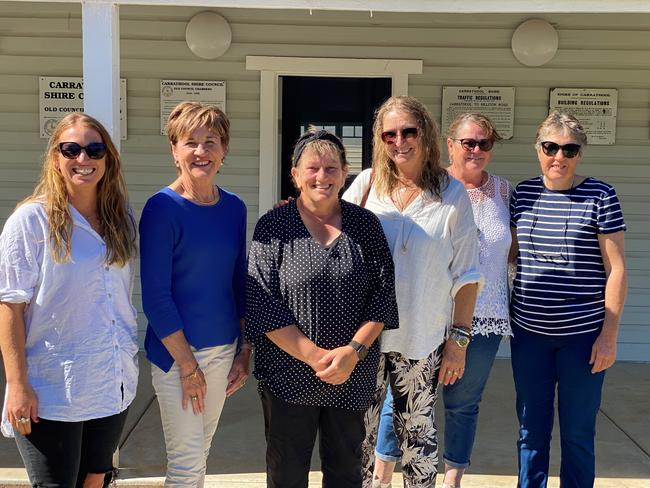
x,y
566,303
193,268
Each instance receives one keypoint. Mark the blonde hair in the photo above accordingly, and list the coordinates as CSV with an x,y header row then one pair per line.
x,y
433,177
483,121
558,121
112,198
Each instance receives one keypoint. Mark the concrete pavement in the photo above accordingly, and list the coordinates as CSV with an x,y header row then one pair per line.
x,y
237,456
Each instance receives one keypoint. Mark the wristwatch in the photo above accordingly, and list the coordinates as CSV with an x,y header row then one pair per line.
x,y
362,351
461,337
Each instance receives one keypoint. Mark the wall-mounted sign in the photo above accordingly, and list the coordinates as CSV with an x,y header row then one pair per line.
x,y
595,108
173,92
58,96
497,102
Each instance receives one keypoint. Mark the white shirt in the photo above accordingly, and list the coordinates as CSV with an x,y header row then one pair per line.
x,y
81,331
490,204
435,250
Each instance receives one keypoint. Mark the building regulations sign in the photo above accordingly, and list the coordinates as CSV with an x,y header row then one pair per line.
x,y
497,102
58,96
595,108
173,92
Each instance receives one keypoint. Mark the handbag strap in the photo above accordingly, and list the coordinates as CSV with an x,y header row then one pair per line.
x,y
367,192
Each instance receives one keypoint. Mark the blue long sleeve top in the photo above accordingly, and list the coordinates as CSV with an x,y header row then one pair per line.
x,y
193,271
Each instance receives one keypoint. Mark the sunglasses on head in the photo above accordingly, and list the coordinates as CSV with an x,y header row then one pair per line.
x,y
569,150
71,150
470,144
390,136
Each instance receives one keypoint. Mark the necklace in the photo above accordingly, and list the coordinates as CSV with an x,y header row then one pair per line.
x,y
403,203
407,237
199,201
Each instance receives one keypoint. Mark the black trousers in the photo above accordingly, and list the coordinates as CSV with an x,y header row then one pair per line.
x,y
290,436
60,454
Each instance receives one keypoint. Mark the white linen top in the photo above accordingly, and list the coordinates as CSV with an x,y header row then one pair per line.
x,y
435,250
81,331
491,206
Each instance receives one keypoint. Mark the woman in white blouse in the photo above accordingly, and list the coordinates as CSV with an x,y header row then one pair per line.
x,y
427,218
470,139
68,332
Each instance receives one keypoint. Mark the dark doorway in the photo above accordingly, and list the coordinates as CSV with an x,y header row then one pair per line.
x,y
345,106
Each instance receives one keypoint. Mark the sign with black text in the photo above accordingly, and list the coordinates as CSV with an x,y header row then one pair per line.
x,y
58,96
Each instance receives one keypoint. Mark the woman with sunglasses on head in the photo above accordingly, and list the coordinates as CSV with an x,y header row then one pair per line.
x,y
193,272
320,290
427,218
68,331
566,304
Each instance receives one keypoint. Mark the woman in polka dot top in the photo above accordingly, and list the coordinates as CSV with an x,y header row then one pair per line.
x,y
320,290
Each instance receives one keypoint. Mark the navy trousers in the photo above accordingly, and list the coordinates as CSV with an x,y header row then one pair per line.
x,y
541,365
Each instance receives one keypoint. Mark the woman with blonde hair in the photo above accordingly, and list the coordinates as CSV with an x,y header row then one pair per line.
x,y
427,218
193,271
68,332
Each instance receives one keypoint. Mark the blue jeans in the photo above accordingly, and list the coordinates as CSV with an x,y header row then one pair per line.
x,y
387,448
462,398
461,407
540,364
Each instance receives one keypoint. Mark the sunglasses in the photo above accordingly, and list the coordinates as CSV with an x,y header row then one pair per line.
x,y
470,144
569,150
390,136
71,150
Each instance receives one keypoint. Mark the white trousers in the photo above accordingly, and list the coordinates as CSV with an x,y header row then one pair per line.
x,y
188,436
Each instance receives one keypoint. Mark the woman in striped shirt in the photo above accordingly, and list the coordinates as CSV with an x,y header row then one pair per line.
x,y
566,304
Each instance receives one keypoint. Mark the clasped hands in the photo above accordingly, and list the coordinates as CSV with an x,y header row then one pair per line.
x,y
334,366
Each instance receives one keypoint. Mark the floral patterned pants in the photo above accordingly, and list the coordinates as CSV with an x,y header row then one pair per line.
x,y
414,385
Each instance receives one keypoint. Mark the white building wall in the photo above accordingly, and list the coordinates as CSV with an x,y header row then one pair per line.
x,y
596,50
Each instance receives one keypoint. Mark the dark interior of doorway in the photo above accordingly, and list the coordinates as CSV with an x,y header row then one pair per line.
x,y
337,103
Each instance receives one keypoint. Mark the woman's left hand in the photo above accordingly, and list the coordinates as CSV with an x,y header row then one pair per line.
x,y
340,364
453,363
603,352
239,371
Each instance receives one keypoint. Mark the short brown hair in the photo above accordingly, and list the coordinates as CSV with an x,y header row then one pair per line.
x,y
189,116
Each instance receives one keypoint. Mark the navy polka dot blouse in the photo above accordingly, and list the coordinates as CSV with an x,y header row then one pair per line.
x,y
327,292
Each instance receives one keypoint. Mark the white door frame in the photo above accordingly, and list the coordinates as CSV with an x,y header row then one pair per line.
x,y
272,67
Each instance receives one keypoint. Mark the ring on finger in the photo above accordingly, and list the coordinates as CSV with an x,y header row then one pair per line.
x,y
23,420
194,397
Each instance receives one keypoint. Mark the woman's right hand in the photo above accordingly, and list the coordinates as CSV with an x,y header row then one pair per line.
x,y
314,360
194,388
282,203
22,403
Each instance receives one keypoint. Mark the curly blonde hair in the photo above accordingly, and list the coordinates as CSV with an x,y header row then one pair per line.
x,y
433,177
112,198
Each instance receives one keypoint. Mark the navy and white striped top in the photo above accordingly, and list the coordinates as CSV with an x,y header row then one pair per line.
x,y
559,288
